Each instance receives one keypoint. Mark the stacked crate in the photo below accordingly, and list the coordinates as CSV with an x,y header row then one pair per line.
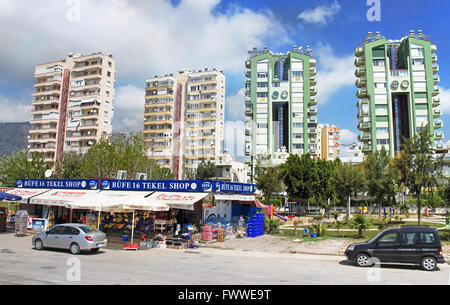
x,y
207,234
255,225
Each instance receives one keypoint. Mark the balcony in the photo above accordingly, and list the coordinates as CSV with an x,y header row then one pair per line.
x,y
433,58
362,102
359,61
433,48
313,91
361,82
437,113
312,81
364,125
436,101
312,71
359,51
248,111
438,124
312,120
439,145
361,71
312,131
312,110
435,68
436,79
436,91
364,137
438,135
248,64
362,93
362,113
312,62
367,147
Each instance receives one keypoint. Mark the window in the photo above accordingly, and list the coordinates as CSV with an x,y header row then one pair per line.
x,y
418,61
262,85
297,125
262,94
382,141
89,229
299,146
380,107
262,125
382,130
409,238
262,74
297,73
426,238
388,239
378,63
109,74
380,85
417,51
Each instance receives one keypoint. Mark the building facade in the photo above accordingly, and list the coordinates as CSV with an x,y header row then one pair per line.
x,y
280,101
328,145
72,105
397,91
184,119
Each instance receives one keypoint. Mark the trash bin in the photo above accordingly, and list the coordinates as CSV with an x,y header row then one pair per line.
x,y
125,238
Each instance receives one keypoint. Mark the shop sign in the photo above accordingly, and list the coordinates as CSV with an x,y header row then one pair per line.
x,y
232,187
39,224
57,184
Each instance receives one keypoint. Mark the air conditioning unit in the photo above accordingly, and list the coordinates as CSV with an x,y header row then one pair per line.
x,y
141,176
121,175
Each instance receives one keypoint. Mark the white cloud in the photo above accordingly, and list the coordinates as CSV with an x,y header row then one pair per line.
x,y
145,37
333,72
444,95
321,14
235,106
15,109
234,139
347,136
129,108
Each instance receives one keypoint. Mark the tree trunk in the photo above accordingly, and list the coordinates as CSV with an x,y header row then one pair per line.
x,y
348,207
418,210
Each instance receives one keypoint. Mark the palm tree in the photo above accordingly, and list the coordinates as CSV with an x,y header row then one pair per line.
x,y
361,223
338,225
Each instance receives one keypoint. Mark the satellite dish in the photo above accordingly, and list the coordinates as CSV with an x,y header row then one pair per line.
x,y
48,173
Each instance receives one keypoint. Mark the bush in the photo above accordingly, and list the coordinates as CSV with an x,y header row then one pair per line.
x,y
272,225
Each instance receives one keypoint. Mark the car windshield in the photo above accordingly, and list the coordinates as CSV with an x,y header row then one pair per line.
x,y
89,229
374,238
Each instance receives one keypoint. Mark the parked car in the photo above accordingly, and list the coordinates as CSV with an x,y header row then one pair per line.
x,y
418,245
72,236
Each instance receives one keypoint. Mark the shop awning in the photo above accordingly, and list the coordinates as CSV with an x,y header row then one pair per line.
x,y
62,197
26,193
235,197
177,200
119,201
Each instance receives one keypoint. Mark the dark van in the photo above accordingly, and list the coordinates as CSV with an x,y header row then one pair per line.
x,y
418,245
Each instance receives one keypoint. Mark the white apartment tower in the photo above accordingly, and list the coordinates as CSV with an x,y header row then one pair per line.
x,y
72,105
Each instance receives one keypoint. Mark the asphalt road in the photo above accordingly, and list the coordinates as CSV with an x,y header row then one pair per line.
x,y
21,264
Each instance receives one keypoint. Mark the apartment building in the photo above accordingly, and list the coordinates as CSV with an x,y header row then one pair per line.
x,y
72,105
184,119
280,101
328,145
397,91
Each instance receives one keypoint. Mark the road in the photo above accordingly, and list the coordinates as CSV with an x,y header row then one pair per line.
x,y
21,264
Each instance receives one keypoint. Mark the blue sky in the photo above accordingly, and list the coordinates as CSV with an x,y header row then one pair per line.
x,y
149,37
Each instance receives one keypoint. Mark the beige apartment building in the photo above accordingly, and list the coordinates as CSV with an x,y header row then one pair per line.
x,y
328,145
184,119
72,104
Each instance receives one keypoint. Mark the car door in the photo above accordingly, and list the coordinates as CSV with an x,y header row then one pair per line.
x,y
70,235
386,247
427,243
408,247
53,237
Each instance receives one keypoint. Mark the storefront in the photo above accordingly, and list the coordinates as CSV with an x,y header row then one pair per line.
x,y
140,210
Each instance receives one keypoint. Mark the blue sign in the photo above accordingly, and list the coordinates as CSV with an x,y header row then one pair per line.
x,y
38,224
84,184
178,186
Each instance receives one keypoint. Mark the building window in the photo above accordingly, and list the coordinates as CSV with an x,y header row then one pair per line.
x,y
297,73
378,63
262,94
418,61
382,141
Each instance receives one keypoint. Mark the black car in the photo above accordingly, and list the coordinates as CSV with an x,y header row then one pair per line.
x,y
418,245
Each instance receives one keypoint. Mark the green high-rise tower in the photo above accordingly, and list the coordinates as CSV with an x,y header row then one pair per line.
x,y
397,91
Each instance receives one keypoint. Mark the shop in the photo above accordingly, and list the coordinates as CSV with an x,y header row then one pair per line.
x,y
144,213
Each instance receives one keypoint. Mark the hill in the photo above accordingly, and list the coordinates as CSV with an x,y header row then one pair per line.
x,y
13,137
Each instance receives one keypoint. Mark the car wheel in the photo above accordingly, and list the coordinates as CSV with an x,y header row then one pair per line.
x,y
363,260
38,244
429,263
75,249
94,250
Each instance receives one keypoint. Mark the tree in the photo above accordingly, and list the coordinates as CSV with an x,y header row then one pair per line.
x,y
17,166
268,178
70,166
349,179
109,156
324,186
299,174
361,223
380,176
417,166
206,170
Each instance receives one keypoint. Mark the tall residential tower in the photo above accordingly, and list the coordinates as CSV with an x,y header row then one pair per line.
x,y
397,91
73,104
184,119
280,100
